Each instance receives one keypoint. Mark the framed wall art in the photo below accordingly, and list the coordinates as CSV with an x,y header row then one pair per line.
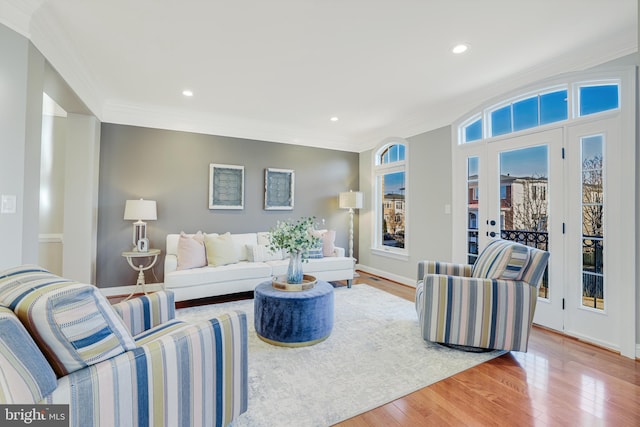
x,y
278,189
226,186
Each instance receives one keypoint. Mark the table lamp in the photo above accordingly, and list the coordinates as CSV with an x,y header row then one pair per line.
x,y
139,211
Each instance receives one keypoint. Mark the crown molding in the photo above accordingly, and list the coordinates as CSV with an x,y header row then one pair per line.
x,y
58,51
16,14
119,112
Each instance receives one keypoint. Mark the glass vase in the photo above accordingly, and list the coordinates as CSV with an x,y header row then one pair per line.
x,y
294,272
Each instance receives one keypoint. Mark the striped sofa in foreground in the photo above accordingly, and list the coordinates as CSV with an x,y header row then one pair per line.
x,y
488,305
131,364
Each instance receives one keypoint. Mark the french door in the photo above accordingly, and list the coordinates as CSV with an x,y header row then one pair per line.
x,y
594,229
561,190
515,191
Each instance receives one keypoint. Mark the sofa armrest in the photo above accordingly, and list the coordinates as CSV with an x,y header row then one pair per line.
x,y
437,267
170,263
196,375
486,313
146,311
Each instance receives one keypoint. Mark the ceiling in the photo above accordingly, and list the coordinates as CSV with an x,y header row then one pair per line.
x,y
279,70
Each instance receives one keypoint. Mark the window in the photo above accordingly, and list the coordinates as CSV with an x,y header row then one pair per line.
x,y
530,112
549,105
595,99
473,131
390,181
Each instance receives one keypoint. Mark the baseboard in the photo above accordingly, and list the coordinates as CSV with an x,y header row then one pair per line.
x,y
396,278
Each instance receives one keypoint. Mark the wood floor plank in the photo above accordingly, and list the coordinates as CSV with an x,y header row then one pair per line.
x,y
560,381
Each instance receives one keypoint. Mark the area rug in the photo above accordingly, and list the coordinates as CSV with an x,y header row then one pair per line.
x,y
374,355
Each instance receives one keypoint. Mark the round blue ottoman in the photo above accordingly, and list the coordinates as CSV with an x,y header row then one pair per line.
x,y
293,319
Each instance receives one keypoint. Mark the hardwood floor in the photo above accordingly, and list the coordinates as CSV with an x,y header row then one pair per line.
x,y
560,381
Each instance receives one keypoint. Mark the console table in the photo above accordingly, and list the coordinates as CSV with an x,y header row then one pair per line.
x,y
141,267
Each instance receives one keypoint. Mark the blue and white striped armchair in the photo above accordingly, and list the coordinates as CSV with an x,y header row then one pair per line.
x,y
131,364
489,304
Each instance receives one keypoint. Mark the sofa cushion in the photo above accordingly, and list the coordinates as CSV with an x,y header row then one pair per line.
x,y
25,375
17,282
210,275
264,238
173,239
327,240
220,250
191,251
73,324
240,242
329,243
279,268
315,252
261,253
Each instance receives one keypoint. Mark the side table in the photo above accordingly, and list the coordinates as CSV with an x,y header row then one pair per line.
x,y
141,267
293,319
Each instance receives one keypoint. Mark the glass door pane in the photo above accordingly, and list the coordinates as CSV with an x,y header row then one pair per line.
x,y
592,222
524,202
472,209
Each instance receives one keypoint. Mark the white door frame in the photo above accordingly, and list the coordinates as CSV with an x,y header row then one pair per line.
x,y
623,231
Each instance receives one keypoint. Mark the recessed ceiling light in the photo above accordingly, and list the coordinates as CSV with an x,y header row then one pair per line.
x,y
187,92
334,119
460,48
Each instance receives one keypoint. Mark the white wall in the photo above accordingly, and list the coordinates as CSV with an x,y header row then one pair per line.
x,y
428,193
82,162
21,69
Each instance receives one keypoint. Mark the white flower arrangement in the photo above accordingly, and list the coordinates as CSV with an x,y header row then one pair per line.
x,y
294,236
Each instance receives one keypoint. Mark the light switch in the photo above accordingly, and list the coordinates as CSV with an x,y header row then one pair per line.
x,y
8,204
447,209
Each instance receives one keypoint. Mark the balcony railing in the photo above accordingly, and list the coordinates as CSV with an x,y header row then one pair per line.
x,y
592,277
535,239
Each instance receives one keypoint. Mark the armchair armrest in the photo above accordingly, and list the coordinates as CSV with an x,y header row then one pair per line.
x,y
146,311
486,313
196,375
437,267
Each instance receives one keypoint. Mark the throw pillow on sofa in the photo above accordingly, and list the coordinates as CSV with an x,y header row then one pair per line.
x,y
328,239
72,323
75,326
261,253
220,249
191,251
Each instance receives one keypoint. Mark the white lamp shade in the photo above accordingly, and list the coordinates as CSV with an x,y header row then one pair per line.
x,y
140,210
351,200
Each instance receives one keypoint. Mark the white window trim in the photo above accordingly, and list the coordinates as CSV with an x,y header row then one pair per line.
x,y
380,169
571,83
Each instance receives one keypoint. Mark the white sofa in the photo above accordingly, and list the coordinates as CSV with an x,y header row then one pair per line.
x,y
244,275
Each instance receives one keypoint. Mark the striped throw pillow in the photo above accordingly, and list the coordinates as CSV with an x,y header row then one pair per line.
x,y
501,259
74,325
25,375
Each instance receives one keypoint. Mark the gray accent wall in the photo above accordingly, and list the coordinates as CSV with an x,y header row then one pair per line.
x,y
173,168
